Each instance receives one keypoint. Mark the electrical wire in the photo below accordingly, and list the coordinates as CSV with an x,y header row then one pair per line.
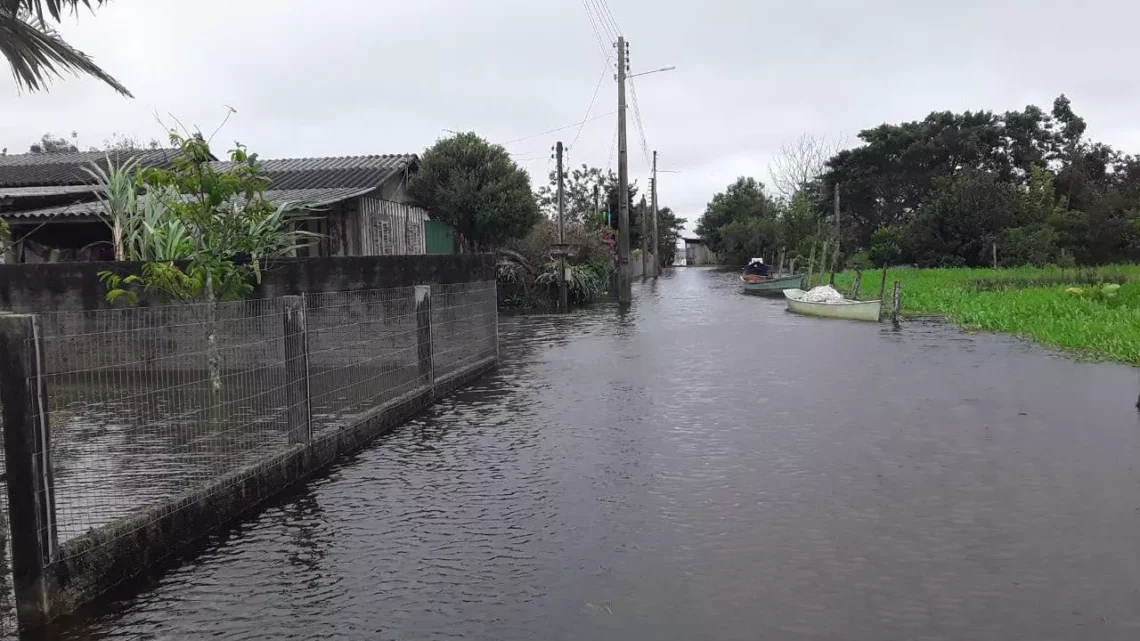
x,y
597,33
637,121
593,99
613,145
606,14
557,129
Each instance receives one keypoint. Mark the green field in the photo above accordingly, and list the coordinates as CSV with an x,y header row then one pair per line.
x,y
1027,302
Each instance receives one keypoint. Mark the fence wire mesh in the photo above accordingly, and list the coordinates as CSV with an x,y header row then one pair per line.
x,y
150,404
463,325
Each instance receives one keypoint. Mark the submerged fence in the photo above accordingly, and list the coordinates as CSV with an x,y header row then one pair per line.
x,y
130,432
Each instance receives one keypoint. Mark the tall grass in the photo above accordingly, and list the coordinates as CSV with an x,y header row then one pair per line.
x,y
1027,302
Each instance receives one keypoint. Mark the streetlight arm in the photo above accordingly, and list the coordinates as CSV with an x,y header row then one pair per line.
x,y
646,73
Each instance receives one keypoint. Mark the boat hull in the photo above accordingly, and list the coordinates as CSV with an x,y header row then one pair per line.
x,y
850,310
772,286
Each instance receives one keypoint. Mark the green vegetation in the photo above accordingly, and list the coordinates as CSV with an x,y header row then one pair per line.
x,y
971,189
474,186
1070,309
35,51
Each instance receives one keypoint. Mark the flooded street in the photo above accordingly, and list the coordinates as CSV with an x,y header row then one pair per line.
x,y
706,466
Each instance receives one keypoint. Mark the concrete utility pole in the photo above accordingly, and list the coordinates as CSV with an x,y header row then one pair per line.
x,y
653,231
563,298
625,291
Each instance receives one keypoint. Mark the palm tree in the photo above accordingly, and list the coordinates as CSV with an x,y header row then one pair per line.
x,y
36,52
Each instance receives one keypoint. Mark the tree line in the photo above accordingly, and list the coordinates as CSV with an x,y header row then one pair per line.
x,y
954,189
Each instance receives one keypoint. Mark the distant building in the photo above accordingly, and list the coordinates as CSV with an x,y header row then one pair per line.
x,y
697,253
362,205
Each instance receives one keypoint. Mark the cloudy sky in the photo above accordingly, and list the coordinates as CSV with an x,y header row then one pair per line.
x,y
344,77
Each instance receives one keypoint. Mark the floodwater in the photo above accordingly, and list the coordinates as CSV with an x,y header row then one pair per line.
x,y
706,466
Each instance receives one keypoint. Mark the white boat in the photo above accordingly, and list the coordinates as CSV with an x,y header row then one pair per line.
x,y
848,309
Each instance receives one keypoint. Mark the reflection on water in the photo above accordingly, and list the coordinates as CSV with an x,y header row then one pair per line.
x,y
705,466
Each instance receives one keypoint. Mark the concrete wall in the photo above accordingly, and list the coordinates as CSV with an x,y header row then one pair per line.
x,y
378,350
57,287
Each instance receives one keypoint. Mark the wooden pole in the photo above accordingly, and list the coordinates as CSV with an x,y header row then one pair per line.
x,y
822,262
838,238
811,264
882,291
781,267
834,264
858,283
994,248
896,302
792,267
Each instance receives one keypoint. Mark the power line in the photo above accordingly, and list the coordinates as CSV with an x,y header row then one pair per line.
x,y
593,99
557,129
597,34
613,145
637,121
605,11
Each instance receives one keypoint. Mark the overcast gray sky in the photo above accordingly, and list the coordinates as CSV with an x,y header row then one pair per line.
x,y
379,76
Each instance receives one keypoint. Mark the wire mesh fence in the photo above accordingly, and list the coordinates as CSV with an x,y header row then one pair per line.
x,y
147,405
463,324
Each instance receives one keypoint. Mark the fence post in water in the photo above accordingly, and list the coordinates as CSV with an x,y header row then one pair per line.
x,y
299,415
423,335
896,302
27,456
792,267
882,291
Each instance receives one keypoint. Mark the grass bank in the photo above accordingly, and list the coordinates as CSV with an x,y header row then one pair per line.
x,y
1028,302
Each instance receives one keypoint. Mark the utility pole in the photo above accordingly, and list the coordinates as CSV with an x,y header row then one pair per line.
x,y
625,292
563,299
653,232
643,217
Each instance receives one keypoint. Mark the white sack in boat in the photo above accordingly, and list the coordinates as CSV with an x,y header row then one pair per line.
x,y
823,294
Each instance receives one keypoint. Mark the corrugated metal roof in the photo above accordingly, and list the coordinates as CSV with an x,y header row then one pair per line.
x,y
54,190
337,172
27,170
314,197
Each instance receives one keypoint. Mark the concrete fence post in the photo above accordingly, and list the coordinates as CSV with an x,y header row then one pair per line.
x,y
424,347
299,415
27,457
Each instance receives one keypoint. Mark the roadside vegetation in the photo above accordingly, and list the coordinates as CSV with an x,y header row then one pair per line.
x,y
1094,312
474,186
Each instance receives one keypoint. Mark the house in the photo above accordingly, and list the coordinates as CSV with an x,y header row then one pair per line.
x,y
697,253
361,205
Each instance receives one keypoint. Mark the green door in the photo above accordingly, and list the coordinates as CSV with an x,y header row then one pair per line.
x,y
438,238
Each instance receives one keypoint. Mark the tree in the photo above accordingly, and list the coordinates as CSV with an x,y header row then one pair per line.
x,y
741,220
577,192
50,144
36,52
475,187
670,227
129,144
800,163
962,218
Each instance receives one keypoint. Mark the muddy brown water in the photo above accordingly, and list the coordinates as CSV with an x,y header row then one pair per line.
x,y
706,466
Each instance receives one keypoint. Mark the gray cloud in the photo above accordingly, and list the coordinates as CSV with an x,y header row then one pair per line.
x,y
358,77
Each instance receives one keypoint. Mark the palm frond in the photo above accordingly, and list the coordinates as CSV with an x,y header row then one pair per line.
x,y
36,52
